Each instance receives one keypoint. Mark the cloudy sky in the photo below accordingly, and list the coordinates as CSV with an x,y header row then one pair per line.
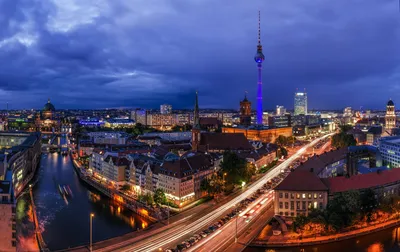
x,y
136,53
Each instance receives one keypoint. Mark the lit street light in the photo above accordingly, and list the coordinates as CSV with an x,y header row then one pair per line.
x,y
91,220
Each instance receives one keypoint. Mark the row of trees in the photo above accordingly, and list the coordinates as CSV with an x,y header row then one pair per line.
x,y
347,209
343,138
285,141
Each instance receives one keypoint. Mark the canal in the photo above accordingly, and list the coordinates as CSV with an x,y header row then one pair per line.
x,y
65,222
384,241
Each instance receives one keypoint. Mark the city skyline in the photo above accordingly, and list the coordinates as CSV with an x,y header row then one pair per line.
x,y
112,58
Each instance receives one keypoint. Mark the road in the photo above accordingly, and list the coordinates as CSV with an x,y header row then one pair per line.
x,y
246,225
193,224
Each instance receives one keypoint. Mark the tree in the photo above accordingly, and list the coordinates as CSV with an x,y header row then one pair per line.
x,y
282,152
236,168
341,140
159,196
125,187
368,203
281,140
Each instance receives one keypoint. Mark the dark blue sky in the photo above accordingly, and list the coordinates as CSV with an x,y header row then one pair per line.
x,y
125,53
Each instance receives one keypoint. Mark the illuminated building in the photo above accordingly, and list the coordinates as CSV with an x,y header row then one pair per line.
x,y
281,121
20,152
300,103
390,117
280,110
46,120
139,116
347,112
119,123
266,135
390,151
245,112
259,58
165,109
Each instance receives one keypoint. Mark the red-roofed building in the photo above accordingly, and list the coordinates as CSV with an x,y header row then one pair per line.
x,y
382,182
299,192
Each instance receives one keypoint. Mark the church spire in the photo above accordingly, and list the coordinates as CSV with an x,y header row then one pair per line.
x,y
196,112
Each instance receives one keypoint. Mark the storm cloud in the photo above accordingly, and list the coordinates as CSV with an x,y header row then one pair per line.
x,y
115,53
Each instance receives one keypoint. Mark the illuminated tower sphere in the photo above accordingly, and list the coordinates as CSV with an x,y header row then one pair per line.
x,y
390,117
259,58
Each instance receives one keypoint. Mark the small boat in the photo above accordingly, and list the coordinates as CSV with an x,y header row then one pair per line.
x,y
61,190
65,191
69,190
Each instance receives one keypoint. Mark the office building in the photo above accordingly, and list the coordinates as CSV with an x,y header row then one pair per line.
x,y
300,103
280,110
165,109
281,121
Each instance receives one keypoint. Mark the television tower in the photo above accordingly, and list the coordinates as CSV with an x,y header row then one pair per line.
x,y
259,58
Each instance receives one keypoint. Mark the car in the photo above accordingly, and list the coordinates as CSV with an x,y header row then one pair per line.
x,y
169,250
180,247
203,234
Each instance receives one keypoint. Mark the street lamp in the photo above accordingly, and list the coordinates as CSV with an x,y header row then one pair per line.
x,y
91,220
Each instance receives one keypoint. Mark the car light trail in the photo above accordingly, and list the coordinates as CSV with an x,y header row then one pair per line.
x,y
161,240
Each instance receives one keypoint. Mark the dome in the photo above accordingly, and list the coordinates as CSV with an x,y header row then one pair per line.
x,y
390,103
48,107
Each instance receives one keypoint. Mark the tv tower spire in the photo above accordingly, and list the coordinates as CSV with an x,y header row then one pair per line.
x,y
259,58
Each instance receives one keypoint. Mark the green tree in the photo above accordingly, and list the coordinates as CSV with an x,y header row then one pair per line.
x,y
368,203
281,140
159,196
236,168
343,138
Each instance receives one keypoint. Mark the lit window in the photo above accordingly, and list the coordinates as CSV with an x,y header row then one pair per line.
x,y
304,196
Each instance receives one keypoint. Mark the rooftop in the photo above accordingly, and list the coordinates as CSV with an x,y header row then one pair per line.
x,y
302,181
362,181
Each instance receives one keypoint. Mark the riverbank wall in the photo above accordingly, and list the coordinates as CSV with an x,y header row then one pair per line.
x,y
135,206
326,239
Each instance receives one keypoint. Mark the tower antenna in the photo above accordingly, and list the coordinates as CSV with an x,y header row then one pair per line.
x,y
259,28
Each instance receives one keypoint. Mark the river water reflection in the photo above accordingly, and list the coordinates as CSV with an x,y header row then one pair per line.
x,y
66,223
384,241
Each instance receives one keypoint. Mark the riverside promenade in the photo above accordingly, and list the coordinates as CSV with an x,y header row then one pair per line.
x,y
285,241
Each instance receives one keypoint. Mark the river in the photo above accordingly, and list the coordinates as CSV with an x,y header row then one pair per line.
x,y
384,241
65,224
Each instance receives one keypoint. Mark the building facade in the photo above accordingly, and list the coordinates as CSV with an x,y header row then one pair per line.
x,y
300,103
390,117
245,112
